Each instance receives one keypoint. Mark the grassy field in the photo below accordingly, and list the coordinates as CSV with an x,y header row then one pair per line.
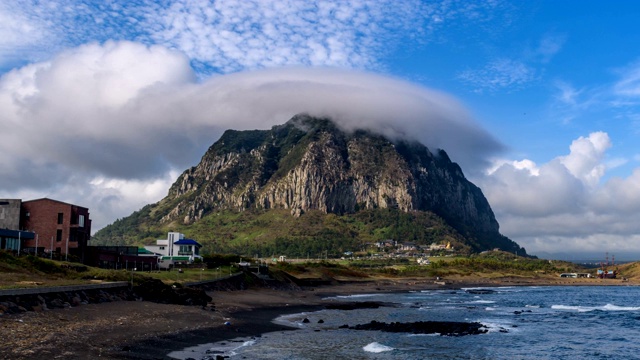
x,y
30,271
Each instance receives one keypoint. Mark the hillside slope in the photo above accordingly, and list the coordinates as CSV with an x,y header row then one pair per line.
x,y
309,165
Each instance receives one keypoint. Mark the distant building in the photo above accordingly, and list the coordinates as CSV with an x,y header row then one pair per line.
x,y
176,249
11,238
386,243
121,257
10,214
60,227
408,246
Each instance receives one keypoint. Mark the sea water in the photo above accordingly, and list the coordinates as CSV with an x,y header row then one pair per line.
x,y
579,322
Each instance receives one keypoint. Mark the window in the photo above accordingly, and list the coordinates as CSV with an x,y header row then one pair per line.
x,y
161,247
59,235
184,250
60,217
81,220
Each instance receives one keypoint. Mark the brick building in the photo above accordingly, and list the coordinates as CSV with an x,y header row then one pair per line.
x,y
11,238
59,227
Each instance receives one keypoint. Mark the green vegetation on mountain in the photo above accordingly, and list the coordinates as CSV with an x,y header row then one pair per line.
x,y
308,188
276,232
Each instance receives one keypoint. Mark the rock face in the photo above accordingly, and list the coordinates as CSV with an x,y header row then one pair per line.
x,y
309,163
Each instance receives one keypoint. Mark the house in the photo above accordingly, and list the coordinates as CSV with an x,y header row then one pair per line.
x,y
176,249
435,246
389,243
408,246
60,227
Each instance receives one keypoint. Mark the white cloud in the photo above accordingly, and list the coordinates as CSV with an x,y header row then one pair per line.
x,y
585,160
499,74
236,35
18,33
130,114
549,46
629,84
514,71
567,93
567,204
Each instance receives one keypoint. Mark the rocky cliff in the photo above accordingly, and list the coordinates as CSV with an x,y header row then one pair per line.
x,y
311,164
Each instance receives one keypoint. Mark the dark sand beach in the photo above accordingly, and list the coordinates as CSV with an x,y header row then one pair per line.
x,y
146,330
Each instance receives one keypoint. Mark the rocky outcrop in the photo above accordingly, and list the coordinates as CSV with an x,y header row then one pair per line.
x,y
311,164
444,328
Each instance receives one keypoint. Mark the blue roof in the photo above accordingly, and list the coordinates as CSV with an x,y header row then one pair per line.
x,y
187,242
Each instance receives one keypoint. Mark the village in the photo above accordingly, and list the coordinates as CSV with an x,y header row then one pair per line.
x,y
62,231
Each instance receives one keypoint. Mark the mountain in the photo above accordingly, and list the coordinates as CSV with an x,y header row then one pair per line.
x,y
310,165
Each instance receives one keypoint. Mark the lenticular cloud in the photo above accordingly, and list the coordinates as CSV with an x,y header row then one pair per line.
x,y
126,110
134,113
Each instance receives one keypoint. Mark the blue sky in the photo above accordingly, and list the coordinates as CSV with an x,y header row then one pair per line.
x,y
105,103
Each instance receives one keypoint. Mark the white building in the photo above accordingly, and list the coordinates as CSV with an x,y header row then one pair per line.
x,y
176,249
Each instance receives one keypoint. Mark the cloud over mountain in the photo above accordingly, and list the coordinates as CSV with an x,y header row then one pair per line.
x,y
122,111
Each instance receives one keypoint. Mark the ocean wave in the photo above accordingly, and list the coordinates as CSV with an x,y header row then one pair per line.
x,y
493,326
294,320
607,307
355,296
245,344
376,347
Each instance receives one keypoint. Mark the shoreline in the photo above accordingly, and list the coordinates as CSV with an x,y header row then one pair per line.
x,y
146,330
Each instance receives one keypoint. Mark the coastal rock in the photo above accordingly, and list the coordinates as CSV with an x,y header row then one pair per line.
x,y
480,291
355,305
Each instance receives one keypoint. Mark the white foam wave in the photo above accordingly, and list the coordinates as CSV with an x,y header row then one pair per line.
x,y
294,320
355,296
612,307
483,302
376,347
493,326
227,348
533,306
234,352
607,307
